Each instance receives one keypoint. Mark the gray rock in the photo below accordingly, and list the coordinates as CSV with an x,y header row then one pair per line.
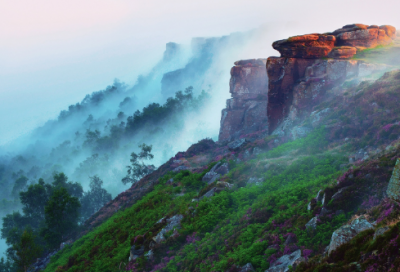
x,y
41,263
135,252
309,206
339,193
223,169
173,222
393,189
237,144
319,196
254,180
283,263
257,151
210,193
347,232
312,224
299,132
323,199
180,168
324,211
149,255
380,231
291,239
247,268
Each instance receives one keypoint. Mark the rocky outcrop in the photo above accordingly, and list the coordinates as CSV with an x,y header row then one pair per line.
x,y
308,67
393,190
283,263
246,111
347,232
172,223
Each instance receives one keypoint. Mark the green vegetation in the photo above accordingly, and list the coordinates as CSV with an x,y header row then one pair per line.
x,y
232,227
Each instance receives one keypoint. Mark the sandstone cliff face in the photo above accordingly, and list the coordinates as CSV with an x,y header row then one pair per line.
x,y
309,66
246,111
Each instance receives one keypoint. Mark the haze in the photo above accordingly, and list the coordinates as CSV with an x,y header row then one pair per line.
x,y
55,52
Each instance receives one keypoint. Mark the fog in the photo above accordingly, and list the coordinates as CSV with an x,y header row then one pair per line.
x,y
54,54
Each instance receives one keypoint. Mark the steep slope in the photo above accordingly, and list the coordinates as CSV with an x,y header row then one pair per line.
x,y
266,202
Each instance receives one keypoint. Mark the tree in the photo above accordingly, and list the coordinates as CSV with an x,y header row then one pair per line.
x,y
19,184
138,168
61,217
5,266
93,200
34,200
26,251
73,188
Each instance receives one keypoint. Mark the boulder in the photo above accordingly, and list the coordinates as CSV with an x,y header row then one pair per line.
x,y
342,52
180,168
319,196
237,144
393,190
312,224
223,169
283,263
135,252
311,46
247,268
254,180
380,231
149,255
172,223
347,232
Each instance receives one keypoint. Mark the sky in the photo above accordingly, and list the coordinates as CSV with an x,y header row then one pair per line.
x,y
53,53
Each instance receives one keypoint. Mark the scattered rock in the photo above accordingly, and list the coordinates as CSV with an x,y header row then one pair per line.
x,y
291,239
283,263
149,255
136,252
393,190
380,231
41,263
312,224
247,268
180,168
237,144
319,196
347,232
254,180
173,222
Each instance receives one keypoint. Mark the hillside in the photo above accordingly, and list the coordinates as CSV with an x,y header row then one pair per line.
x,y
298,180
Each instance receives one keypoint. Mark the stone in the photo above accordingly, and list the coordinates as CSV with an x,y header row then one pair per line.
x,y
180,168
291,239
342,52
283,263
223,169
149,255
247,268
393,190
172,223
347,232
311,46
339,193
319,196
237,144
324,211
135,252
380,231
210,193
246,111
254,180
312,224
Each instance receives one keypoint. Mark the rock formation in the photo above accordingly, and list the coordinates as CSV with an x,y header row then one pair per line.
x,y
309,65
246,111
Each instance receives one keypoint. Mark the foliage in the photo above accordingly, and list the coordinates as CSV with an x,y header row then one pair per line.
x,y
26,251
138,168
94,199
61,217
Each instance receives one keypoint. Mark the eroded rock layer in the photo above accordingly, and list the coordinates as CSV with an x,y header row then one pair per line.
x,y
267,92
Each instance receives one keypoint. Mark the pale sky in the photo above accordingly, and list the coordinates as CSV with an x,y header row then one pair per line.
x,y
54,52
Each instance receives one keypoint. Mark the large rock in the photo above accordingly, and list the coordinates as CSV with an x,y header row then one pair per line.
x,y
173,222
247,268
393,190
135,252
311,46
347,232
364,36
283,263
246,111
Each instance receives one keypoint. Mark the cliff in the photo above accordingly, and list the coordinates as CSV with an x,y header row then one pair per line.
x,y
308,67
